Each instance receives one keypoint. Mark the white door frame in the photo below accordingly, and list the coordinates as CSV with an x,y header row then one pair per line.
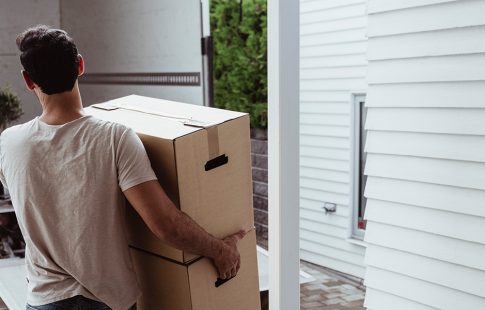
x,y
283,154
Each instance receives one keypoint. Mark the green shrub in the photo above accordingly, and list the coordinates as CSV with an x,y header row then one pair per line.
x,y
240,62
10,107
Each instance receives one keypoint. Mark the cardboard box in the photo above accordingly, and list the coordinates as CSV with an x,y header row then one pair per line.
x,y
201,157
194,286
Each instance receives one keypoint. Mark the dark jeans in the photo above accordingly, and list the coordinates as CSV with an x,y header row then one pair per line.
x,y
74,303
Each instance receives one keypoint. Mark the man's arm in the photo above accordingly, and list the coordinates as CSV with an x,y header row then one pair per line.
x,y
180,231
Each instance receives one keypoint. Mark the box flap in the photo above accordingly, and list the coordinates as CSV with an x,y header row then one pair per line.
x,y
187,114
143,123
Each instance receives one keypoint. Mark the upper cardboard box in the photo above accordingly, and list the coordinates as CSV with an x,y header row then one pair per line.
x,y
201,157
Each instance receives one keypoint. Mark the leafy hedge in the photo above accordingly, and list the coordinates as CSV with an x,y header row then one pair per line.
x,y
10,107
240,63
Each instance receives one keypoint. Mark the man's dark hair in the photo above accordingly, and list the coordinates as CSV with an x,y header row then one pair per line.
x,y
50,58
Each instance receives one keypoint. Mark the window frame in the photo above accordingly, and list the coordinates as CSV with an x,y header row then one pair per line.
x,y
356,147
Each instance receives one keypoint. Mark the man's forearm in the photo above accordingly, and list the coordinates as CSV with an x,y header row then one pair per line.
x,y
185,234
169,223
177,229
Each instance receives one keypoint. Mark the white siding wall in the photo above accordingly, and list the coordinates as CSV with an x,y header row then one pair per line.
x,y
426,147
333,64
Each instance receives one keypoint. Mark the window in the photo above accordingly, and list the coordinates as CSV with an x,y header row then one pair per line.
x,y
359,156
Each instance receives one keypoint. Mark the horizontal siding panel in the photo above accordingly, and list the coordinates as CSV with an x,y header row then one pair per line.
x,y
444,223
453,276
463,253
319,5
457,147
324,96
337,61
324,152
332,263
426,44
333,13
448,198
334,72
423,292
324,163
324,107
376,6
319,216
323,130
334,37
358,22
337,243
432,69
323,174
348,257
328,230
333,187
438,171
342,211
327,142
467,94
427,18
351,48
336,84
379,300
324,119
427,120
323,196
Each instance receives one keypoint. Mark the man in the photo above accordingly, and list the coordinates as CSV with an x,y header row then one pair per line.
x,y
68,174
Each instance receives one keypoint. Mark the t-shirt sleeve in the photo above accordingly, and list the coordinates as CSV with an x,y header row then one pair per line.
x,y
133,164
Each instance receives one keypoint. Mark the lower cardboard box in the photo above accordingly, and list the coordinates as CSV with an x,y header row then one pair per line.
x,y
171,285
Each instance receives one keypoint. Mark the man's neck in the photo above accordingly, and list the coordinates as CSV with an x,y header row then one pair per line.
x,y
61,108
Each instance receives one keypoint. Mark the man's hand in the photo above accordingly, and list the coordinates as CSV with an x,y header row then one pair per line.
x,y
228,261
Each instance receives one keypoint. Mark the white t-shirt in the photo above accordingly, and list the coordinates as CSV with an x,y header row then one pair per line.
x,y
66,184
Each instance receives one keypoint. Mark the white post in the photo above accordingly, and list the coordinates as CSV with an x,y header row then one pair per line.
x,y
283,154
205,24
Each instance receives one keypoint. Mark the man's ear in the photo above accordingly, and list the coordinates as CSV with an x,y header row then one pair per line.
x,y
28,81
80,69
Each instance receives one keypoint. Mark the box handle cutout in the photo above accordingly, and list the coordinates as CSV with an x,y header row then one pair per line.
x,y
220,281
216,162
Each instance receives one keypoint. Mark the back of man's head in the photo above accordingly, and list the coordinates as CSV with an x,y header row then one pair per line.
x,y
50,58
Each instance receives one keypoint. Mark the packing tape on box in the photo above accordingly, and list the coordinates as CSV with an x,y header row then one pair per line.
x,y
215,158
213,141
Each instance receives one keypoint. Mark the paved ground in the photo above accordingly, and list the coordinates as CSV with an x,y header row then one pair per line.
x,y
330,291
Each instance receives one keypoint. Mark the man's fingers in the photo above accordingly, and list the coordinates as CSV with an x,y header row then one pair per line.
x,y
234,272
238,266
239,235
225,274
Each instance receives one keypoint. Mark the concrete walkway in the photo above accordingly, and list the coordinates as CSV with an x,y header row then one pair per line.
x,y
330,291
